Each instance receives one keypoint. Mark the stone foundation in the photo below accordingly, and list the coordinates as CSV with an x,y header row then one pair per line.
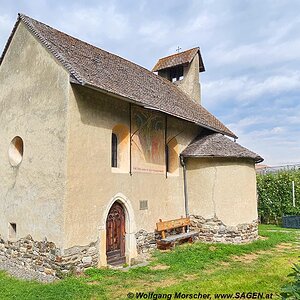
x,y
44,260
210,230
145,241
214,230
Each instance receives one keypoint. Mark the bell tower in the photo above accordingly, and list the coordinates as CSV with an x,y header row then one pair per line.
x,y
183,70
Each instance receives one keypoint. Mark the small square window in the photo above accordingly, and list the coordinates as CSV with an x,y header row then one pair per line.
x,y
143,204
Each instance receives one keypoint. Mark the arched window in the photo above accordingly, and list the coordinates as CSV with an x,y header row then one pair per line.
x,y
114,150
120,149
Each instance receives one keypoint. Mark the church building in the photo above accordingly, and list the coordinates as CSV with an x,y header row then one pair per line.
x,y
95,150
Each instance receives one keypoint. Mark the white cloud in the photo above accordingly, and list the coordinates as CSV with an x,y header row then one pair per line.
x,y
274,145
247,89
277,130
271,85
96,23
154,31
256,55
204,21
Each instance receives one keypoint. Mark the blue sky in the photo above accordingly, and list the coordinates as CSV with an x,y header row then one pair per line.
x,y
251,51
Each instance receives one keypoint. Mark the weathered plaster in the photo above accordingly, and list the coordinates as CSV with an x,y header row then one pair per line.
x,y
92,118
222,188
33,104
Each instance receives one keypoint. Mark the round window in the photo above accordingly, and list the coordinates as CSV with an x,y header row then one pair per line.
x,y
15,151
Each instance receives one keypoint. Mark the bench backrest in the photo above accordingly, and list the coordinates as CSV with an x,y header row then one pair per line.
x,y
172,224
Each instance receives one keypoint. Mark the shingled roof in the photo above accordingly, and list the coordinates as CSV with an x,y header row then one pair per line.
x,y
98,69
177,59
217,145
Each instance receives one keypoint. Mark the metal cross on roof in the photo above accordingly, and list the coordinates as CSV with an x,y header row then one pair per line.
x,y
178,49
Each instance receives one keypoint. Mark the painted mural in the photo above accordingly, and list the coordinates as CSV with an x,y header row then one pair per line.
x,y
148,141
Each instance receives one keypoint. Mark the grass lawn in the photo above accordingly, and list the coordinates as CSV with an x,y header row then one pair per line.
x,y
261,266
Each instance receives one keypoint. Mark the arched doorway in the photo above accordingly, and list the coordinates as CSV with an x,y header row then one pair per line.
x,y
115,235
130,230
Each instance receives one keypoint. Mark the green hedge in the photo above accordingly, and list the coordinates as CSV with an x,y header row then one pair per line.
x,y
275,195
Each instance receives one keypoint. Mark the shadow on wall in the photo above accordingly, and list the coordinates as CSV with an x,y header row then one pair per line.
x,y
99,110
148,128
210,162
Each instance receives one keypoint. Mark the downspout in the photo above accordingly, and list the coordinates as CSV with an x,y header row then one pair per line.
x,y
130,141
186,200
166,145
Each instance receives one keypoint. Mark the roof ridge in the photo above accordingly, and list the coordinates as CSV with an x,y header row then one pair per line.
x,y
175,54
180,58
99,69
23,17
82,41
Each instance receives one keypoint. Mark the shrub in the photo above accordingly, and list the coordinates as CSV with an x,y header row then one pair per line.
x,y
292,211
292,290
275,195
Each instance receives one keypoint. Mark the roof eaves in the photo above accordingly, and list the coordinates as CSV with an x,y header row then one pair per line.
x,y
205,140
147,106
201,66
256,159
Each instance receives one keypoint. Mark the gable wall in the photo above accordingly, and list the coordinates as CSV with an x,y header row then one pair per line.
x,y
91,181
33,102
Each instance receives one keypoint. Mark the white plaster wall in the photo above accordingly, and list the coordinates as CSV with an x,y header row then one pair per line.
x,y
225,188
91,181
33,103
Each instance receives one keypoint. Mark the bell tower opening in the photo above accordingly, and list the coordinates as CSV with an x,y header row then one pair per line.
x,y
176,73
183,70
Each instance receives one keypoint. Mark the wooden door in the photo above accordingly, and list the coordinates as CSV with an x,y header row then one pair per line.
x,y
115,235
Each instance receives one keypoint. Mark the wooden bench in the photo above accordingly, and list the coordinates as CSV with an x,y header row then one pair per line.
x,y
169,241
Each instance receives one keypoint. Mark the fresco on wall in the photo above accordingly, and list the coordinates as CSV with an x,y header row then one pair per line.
x,y
148,141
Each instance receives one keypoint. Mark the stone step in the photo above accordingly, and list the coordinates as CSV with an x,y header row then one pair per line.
x,y
116,261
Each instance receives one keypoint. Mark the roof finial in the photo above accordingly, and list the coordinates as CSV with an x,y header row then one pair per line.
x,y
178,49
